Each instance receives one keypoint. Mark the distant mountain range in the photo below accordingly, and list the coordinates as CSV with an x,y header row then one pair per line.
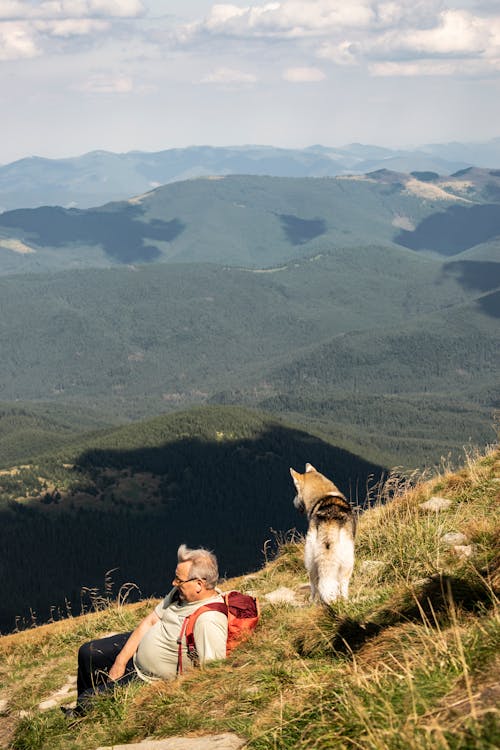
x,y
260,222
100,176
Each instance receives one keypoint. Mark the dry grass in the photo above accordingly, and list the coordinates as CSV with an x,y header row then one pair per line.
x,y
409,662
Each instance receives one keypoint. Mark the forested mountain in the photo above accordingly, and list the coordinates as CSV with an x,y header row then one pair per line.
x,y
126,498
28,428
259,222
357,321
425,387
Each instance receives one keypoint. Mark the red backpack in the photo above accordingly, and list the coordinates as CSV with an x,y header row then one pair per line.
x,y
242,612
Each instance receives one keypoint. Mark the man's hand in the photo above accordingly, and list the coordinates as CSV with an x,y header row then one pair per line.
x,y
129,649
117,670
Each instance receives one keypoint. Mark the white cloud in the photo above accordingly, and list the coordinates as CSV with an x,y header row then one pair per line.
x,y
16,42
28,24
26,9
414,68
443,67
445,42
456,33
290,19
303,75
343,53
379,35
116,8
70,27
229,76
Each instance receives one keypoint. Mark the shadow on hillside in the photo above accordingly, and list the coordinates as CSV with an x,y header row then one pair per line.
x,y
454,230
490,304
299,231
118,228
226,494
432,604
471,274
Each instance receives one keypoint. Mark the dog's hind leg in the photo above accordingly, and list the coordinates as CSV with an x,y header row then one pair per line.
x,y
345,556
313,583
314,591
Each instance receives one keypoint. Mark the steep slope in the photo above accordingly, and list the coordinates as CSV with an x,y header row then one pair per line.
x,y
410,661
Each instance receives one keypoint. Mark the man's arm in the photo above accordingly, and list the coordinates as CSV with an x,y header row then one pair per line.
x,y
210,636
130,647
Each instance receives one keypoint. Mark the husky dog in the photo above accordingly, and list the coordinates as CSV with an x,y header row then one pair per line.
x,y
329,548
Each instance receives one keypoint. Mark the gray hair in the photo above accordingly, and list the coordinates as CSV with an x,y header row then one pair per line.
x,y
203,564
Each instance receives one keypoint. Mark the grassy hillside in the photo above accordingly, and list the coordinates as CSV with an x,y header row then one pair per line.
x,y
215,476
254,221
410,661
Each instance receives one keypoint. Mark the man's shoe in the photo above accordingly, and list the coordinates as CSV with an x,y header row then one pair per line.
x,y
71,713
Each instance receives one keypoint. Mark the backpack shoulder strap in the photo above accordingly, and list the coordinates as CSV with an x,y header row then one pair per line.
x,y
188,628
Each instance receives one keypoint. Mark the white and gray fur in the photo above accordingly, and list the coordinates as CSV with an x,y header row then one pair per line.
x,y
329,546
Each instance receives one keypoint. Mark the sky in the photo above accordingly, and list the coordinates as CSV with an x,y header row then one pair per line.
x,y
148,75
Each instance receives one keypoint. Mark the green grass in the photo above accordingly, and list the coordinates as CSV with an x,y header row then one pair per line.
x,y
410,662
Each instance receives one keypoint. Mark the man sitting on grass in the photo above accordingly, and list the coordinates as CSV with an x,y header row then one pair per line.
x,y
151,651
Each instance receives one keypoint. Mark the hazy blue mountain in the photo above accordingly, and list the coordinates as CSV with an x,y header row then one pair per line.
x,y
100,176
486,154
257,221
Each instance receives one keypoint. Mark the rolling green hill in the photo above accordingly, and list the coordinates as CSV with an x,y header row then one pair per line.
x,y
125,498
30,427
257,221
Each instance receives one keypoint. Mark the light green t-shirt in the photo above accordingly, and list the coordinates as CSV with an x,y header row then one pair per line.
x,y
157,654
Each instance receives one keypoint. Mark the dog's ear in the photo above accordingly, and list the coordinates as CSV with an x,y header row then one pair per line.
x,y
297,478
310,467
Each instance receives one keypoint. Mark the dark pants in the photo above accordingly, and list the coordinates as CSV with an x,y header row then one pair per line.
x,y
95,659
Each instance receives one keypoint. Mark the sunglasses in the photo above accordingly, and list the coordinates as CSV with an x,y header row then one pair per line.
x,y
178,580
